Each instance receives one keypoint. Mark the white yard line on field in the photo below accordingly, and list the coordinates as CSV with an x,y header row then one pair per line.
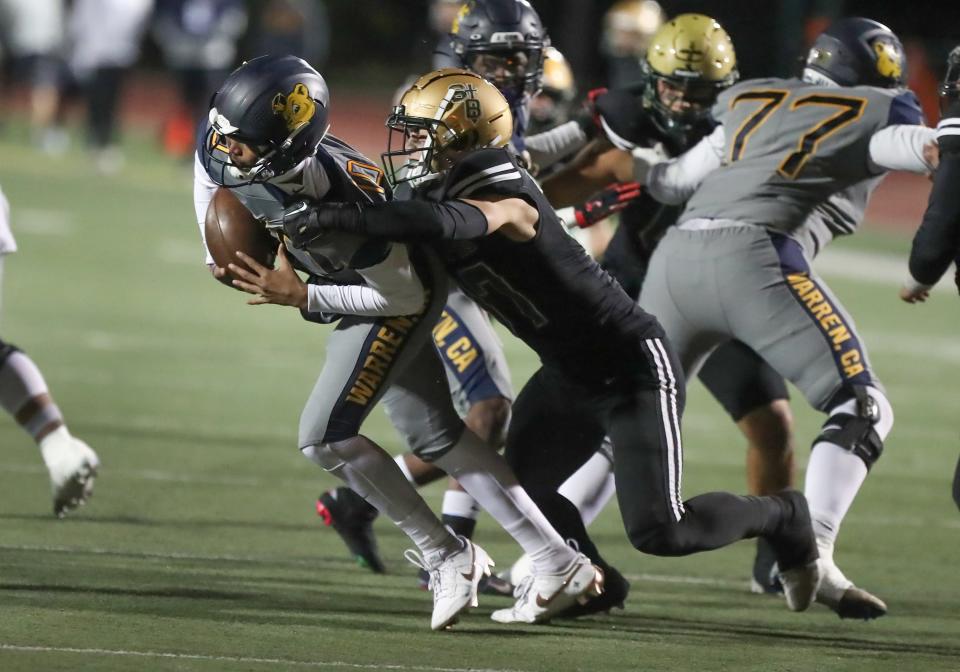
x,y
876,268
238,659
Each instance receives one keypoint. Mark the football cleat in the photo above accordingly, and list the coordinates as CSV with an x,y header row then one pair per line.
x,y
454,582
765,579
542,596
73,469
795,547
839,594
615,591
352,517
489,585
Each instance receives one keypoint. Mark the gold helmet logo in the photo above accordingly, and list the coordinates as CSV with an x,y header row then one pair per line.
x,y
889,59
693,45
297,107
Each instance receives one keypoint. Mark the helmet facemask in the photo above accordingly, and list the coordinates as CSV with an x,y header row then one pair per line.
x,y
680,104
516,72
950,86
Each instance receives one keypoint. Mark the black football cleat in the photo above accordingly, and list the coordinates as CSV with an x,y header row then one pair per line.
x,y
615,591
352,517
765,579
795,547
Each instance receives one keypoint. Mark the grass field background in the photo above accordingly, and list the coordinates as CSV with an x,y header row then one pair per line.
x,y
201,550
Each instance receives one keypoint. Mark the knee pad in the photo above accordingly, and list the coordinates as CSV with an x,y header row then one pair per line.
x,y
334,455
6,349
859,423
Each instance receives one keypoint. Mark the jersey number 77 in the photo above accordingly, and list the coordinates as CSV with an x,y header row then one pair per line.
x,y
845,110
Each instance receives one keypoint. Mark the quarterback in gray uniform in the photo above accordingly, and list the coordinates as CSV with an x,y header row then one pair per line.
x,y
790,167
266,140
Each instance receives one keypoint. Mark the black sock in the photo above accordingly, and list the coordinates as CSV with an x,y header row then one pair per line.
x,y
461,526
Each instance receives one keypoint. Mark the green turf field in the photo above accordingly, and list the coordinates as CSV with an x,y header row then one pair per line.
x,y
201,550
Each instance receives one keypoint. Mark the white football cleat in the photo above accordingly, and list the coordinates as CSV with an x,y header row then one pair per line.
x,y
454,581
73,468
542,596
838,593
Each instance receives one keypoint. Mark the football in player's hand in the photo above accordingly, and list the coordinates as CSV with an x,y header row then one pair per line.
x,y
229,227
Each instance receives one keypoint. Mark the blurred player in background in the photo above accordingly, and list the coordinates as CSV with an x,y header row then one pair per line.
x,y
71,463
628,28
105,37
789,167
198,40
267,140
33,32
937,241
670,109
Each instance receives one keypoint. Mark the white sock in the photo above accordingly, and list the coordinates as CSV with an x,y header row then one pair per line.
x,y
834,477
485,475
372,474
590,487
402,463
21,381
460,504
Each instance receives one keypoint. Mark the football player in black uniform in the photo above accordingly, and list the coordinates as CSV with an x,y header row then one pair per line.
x,y
670,108
937,241
602,356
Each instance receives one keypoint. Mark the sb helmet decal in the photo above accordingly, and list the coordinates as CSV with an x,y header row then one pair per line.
x,y
889,59
297,107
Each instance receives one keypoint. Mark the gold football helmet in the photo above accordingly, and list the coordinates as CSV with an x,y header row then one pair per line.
x,y
629,25
689,61
444,114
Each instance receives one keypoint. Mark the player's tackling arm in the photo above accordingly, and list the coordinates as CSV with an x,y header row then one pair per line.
x,y
412,221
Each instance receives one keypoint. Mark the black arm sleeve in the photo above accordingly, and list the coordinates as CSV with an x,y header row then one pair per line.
x,y
405,221
937,241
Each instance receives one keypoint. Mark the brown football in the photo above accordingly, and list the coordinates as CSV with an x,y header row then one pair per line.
x,y
230,227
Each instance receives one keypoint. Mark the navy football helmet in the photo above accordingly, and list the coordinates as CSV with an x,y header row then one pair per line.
x,y
503,41
857,51
278,106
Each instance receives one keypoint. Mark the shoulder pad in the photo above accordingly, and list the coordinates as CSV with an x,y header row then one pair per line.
x,y
905,109
624,119
480,170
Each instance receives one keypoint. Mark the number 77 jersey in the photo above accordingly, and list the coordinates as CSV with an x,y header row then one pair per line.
x,y
790,145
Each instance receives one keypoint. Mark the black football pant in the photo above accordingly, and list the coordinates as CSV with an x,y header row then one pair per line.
x,y
558,423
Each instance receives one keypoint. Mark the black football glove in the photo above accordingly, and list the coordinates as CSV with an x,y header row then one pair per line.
x,y
606,202
304,222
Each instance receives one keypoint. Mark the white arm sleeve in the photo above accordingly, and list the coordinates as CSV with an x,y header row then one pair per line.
x,y
550,146
392,288
674,181
203,190
7,243
900,147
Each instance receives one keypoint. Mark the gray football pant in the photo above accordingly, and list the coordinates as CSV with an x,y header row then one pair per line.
x,y
388,358
708,286
472,353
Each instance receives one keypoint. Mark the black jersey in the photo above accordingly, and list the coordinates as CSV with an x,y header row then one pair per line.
x,y
547,291
937,241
